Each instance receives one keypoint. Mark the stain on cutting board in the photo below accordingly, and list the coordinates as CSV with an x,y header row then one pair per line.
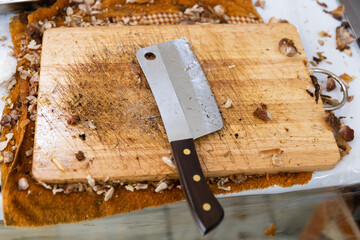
x,y
99,81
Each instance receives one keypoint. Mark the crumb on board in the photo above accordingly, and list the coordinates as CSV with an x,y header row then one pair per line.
x,y
350,98
227,104
321,42
269,152
262,113
168,161
57,164
287,47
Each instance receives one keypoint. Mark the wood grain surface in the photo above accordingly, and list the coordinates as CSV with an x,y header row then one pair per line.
x,y
93,73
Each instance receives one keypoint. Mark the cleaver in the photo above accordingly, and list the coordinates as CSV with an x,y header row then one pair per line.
x,y
188,111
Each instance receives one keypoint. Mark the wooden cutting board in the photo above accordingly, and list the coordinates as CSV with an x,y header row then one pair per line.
x,y
93,73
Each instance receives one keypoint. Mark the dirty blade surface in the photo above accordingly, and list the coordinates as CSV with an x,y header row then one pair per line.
x,y
183,95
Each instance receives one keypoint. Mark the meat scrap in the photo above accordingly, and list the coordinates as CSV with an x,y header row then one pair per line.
x,y
262,114
343,38
287,47
338,127
337,13
330,85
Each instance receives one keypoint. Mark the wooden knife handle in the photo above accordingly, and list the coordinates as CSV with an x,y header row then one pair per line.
x,y
205,208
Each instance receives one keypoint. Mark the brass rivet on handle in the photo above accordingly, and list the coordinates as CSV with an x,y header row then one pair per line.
x,y
196,178
187,151
206,206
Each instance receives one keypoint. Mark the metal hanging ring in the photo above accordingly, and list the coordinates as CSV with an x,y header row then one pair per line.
x,y
342,85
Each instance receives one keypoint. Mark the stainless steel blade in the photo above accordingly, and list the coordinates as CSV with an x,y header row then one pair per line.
x,y
183,95
352,14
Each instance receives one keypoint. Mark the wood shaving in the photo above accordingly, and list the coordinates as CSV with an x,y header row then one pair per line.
x,y
276,159
271,231
337,13
69,11
261,113
162,186
56,190
219,10
227,104
343,130
92,125
221,184
330,84
276,20
57,164
346,77
46,186
324,34
321,4
317,127
317,88
260,3
347,132
8,157
168,162
310,90
269,152
109,194
348,51
29,152
129,187
343,38
90,180
287,47
141,186
23,184
4,144
33,45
